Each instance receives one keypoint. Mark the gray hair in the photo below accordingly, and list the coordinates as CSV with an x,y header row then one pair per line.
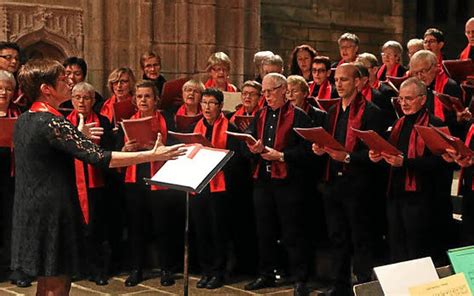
x,y
415,42
84,87
424,55
368,59
420,85
396,46
194,82
7,76
260,56
277,78
273,60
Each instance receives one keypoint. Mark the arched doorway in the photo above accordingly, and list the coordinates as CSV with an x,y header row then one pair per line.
x,y
41,50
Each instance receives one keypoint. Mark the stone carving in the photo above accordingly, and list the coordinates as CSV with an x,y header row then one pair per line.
x,y
27,24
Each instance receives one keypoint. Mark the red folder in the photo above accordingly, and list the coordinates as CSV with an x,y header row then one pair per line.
x,y
243,120
451,103
172,93
455,142
433,139
375,142
183,122
190,138
325,104
139,130
320,136
247,138
124,110
396,81
459,70
6,135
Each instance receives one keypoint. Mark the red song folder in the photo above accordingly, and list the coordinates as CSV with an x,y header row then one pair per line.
x,y
140,130
459,70
247,138
124,110
172,93
325,104
451,103
375,142
243,121
320,136
184,122
190,138
433,140
6,135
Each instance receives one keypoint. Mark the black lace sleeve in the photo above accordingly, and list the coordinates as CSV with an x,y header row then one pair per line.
x,y
63,136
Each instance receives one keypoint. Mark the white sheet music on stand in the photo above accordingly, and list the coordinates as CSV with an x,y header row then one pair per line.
x,y
397,278
192,171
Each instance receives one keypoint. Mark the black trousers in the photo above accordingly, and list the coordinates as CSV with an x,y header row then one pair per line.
x,y
350,229
209,216
155,215
279,213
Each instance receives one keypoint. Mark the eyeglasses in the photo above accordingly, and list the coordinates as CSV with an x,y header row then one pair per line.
x,y
422,71
346,47
6,90
210,104
122,81
319,71
192,90
292,92
430,41
219,69
10,57
388,54
408,99
249,94
85,98
270,90
471,32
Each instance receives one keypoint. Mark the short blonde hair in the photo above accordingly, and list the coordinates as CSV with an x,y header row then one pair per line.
x,y
194,82
115,76
300,81
218,58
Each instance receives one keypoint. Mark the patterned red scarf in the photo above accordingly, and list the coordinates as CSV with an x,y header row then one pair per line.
x,y
416,146
158,125
219,140
284,126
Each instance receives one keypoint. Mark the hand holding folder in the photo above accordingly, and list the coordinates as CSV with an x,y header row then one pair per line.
x,y
437,140
140,130
449,102
243,121
459,70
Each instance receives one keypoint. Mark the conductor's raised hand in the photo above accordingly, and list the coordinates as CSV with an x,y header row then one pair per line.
x,y
89,129
256,148
161,152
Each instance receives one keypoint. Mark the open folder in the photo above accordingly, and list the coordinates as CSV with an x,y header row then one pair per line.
x,y
319,136
171,93
375,142
243,120
194,170
325,104
124,110
190,138
438,140
184,122
247,138
459,70
140,130
450,103
6,135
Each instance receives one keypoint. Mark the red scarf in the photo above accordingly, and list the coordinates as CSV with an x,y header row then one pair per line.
x,y
107,109
158,125
465,53
212,84
44,107
219,140
357,109
284,126
416,146
261,102
367,92
182,110
376,84
241,112
393,72
324,91
95,178
440,82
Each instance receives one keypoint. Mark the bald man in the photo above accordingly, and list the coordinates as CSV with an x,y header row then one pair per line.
x,y
349,177
468,53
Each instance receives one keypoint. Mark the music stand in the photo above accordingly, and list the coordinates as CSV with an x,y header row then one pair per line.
x,y
190,173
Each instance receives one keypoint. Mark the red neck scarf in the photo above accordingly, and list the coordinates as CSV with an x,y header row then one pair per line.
x,y
183,111
158,124
95,178
465,53
416,146
284,126
241,112
440,82
376,84
212,84
367,92
357,109
219,140
324,91
44,107
393,72
107,109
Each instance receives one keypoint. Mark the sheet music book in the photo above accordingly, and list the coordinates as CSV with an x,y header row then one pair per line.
x,y
183,122
171,94
325,104
190,138
194,170
231,100
451,103
459,70
320,136
433,139
243,120
7,126
140,130
462,260
397,278
454,285
375,142
124,110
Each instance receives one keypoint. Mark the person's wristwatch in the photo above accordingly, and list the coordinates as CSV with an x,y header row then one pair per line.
x,y
282,157
347,159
